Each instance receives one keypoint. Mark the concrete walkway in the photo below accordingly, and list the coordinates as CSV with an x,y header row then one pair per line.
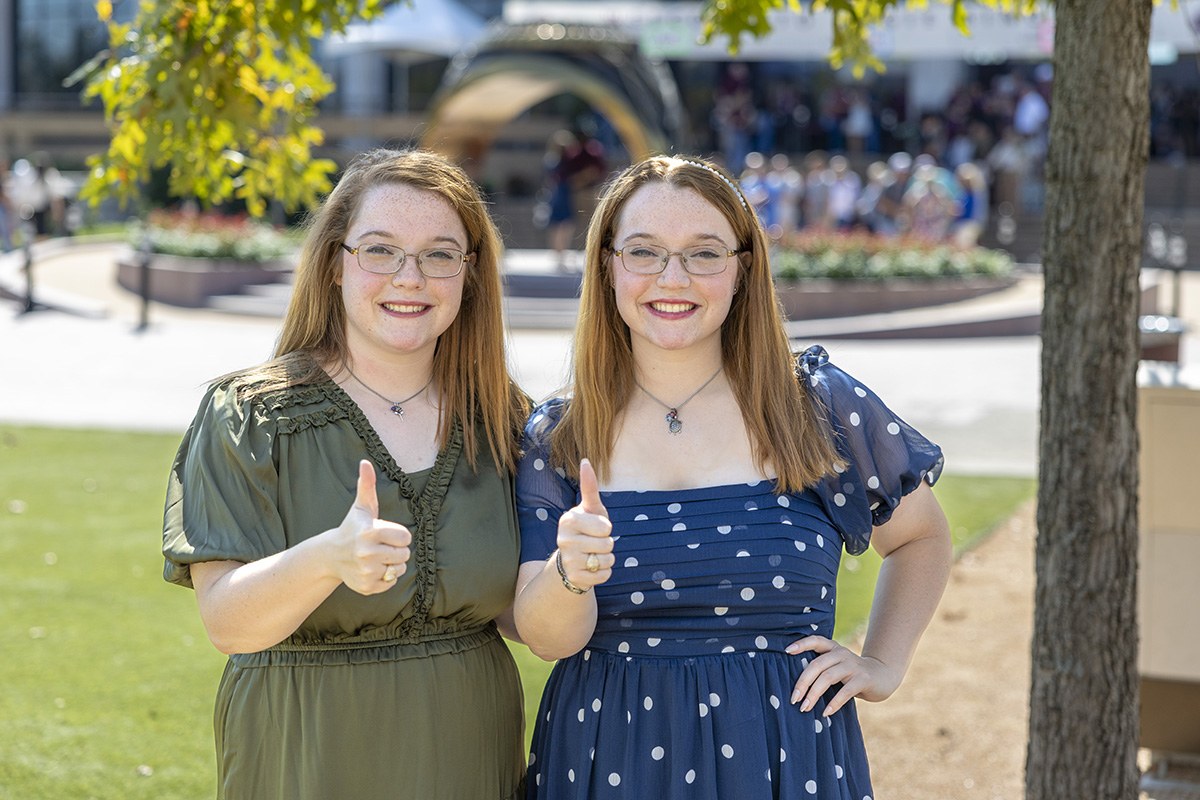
x,y
85,363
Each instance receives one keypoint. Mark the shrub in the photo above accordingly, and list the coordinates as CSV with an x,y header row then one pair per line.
x,y
207,235
832,255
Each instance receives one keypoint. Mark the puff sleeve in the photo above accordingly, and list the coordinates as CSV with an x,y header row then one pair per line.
x,y
543,491
222,493
886,458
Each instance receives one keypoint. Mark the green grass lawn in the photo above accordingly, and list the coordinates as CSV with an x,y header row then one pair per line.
x,y
106,676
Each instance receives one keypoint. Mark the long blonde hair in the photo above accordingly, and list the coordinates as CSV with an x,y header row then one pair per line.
x,y
785,427
469,363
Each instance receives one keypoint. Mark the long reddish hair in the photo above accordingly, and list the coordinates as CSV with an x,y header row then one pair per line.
x,y
469,364
786,430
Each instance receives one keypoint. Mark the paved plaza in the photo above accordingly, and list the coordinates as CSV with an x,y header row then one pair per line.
x,y
83,362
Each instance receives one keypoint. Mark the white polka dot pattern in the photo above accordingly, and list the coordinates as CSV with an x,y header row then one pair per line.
x,y
712,585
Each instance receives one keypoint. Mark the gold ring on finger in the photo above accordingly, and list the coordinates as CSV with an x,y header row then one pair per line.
x,y
389,574
593,562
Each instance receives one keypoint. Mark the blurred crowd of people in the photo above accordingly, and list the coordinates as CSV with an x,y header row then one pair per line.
x,y
985,149
785,115
903,195
33,194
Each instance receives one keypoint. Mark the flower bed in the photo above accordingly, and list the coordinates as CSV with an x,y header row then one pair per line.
x,y
830,274
864,256
217,236
193,257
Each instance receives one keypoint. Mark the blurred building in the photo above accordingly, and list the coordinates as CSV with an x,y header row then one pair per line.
x,y
389,73
391,76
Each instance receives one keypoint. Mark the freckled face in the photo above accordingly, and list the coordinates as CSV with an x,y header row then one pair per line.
x,y
673,310
405,312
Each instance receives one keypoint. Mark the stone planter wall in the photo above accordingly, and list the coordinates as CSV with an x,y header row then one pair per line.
x,y
190,282
827,299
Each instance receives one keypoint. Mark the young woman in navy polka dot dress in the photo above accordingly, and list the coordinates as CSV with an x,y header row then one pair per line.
x,y
683,513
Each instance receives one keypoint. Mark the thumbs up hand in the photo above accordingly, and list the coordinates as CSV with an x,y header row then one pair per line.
x,y
372,552
585,535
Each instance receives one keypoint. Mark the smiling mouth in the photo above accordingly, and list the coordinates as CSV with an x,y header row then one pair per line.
x,y
404,308
671,308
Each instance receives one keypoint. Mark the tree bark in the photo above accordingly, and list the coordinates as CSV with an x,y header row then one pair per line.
x,y
1083,722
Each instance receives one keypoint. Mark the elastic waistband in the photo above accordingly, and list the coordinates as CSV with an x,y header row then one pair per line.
x,y
300,654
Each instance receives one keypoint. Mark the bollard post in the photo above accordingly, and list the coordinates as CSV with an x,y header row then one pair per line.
x,y
1177,258
27,234
143,259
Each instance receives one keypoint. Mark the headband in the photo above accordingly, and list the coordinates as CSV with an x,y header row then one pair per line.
x,y
727,182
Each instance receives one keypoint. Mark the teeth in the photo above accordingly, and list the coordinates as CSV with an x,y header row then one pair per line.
x,y
397,308
672,308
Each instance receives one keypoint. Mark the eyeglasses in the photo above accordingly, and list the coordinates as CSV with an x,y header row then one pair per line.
x,y
386,259
649,259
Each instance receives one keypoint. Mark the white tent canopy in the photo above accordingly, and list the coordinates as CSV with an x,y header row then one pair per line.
x,y
411,31
670,30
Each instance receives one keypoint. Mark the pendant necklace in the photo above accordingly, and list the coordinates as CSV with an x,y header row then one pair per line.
x,y
397,406
674,423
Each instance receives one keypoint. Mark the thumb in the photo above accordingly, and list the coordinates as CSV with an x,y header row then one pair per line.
x,y
589,489
366,499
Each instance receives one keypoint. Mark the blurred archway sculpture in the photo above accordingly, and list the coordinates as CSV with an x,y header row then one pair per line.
x,y
518,66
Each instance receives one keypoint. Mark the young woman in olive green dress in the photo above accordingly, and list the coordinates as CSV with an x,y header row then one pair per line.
x,y
345,513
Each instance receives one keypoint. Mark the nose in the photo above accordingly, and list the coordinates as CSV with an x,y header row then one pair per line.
x,y
674,275
406,277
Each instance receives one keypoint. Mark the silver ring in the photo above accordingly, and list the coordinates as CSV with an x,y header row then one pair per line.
x,y
390,573
593,563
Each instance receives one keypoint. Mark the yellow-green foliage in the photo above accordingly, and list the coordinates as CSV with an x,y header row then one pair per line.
x,y
221,93
852,22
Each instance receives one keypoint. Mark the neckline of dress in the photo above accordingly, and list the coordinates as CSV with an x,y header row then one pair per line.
x,y
757,485
372,441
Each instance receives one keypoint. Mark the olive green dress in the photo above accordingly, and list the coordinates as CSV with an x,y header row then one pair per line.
x,y
406,694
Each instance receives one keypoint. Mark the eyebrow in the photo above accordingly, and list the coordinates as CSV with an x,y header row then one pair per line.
x,y
709,236
388,235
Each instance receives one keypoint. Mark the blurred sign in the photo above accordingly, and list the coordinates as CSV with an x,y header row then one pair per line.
x,y
667,38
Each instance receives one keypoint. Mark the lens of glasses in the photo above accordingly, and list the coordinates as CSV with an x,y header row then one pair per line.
x,y
384,259
648,259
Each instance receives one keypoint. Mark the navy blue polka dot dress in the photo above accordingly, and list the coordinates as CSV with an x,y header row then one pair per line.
x,y
683,690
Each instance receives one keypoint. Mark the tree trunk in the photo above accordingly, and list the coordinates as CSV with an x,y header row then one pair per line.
x,y
1083,722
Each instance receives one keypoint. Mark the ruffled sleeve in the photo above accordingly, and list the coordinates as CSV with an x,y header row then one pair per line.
x,y
222,493
886,458
544,492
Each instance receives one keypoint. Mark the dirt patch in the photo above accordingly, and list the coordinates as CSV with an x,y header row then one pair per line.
x,y
957,726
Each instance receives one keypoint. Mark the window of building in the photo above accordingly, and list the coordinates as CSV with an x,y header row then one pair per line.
x,y
53,38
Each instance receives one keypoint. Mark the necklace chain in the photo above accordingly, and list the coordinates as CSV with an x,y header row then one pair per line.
x,y
674,423
397,406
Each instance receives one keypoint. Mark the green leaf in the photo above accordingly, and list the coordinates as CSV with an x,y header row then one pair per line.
x,y
187,82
